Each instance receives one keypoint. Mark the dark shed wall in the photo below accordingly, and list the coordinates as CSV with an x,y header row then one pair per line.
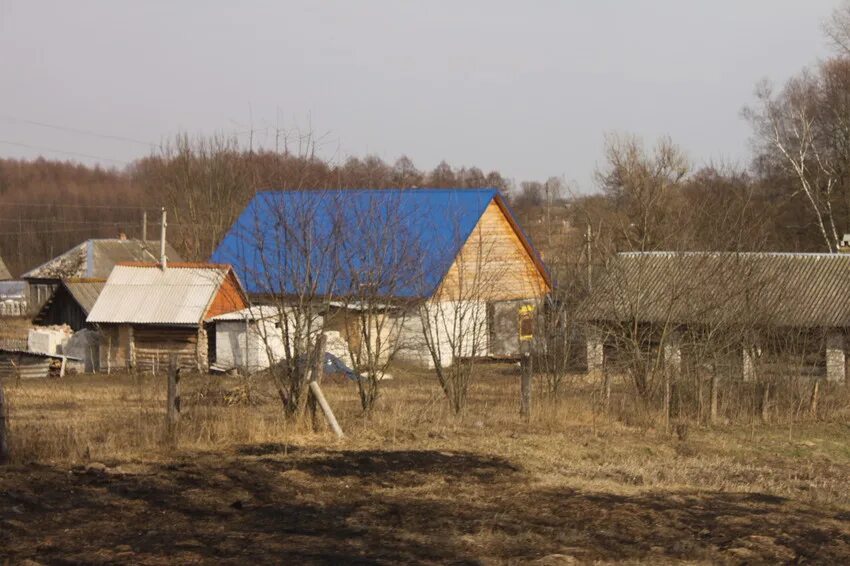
x,y
62,309
38,292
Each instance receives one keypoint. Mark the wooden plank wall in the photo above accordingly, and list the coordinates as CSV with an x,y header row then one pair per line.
x,y
155,344
493,263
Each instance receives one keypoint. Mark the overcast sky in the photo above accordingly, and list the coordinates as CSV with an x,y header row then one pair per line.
x,y
527,88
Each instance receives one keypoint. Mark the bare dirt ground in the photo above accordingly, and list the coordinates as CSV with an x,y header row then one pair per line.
x,y
412,486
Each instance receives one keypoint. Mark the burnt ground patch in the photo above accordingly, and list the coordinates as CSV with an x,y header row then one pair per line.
x,y
408,467
420,506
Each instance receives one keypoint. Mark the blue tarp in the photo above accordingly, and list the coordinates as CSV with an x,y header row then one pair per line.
x,y
398,242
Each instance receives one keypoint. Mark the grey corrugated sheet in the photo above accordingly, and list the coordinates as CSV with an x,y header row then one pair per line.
x,y
27,367
85,292
150,295
96,258
782,289
4,271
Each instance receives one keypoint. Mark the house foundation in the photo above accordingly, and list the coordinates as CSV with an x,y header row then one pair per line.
x,y
672,350
835,357
748,370
595,351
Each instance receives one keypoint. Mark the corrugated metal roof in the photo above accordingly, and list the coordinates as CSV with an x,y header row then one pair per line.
x,y
781,289
4,271
150,295
85,291
96,258
401,242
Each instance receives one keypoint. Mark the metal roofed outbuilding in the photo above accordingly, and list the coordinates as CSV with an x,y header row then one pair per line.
x,y
92,259
767,300
147,313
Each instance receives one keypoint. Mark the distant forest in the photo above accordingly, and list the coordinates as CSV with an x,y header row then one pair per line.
x,y
646,198
46,206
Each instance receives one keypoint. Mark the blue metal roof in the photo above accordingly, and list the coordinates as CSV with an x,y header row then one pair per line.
x,y
400,242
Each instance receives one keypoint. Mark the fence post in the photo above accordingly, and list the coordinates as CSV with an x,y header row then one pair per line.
x,y
813,403
316,376
4,440
525,386
173,400
326,409
714,393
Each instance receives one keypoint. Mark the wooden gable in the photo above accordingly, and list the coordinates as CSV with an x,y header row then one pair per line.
x,y
496,263
228,298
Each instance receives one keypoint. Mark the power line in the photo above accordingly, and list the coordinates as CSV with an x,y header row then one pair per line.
x,y
64,205
64,152
78,131
46,231
83,222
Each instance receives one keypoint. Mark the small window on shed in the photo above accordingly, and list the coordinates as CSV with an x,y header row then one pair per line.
x,y
526,322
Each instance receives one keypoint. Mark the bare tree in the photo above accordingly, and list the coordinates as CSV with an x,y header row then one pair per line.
x,y
204,182
794,131
381,260
643,186
837,28
287,248
454,318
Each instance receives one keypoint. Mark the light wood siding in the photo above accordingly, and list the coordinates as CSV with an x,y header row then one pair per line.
x,y
493,264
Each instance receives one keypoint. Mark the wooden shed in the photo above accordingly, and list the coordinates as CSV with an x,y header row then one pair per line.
x,y
147,312
92,259
70,304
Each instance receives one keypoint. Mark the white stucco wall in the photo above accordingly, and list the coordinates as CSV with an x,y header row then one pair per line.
x,y
263,346
450,321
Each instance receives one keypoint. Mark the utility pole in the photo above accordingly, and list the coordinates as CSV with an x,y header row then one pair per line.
x,y
163,260
145,226
587,241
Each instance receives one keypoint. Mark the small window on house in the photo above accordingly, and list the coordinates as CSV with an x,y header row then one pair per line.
x,y
526,322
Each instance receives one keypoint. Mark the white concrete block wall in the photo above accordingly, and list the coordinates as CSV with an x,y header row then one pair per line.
x,y
594,350
835,357
447,327
264,346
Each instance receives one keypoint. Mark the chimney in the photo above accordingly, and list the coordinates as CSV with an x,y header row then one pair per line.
x,y
163,261
844,244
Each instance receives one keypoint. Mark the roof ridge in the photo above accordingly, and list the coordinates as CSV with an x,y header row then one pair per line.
x,y
176,265
377,190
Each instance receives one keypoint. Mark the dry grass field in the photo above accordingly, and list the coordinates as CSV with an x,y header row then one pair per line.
x,y
93,481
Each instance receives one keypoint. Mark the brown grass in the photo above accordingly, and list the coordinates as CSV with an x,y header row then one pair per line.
x,y
93,481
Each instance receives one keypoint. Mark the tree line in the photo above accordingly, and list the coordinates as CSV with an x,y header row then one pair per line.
x,y
48,206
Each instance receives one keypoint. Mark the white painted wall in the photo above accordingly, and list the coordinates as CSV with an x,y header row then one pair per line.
x,y
236,349
263,346
447,326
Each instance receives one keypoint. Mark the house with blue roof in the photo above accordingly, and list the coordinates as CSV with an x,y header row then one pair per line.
x,y
457,249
